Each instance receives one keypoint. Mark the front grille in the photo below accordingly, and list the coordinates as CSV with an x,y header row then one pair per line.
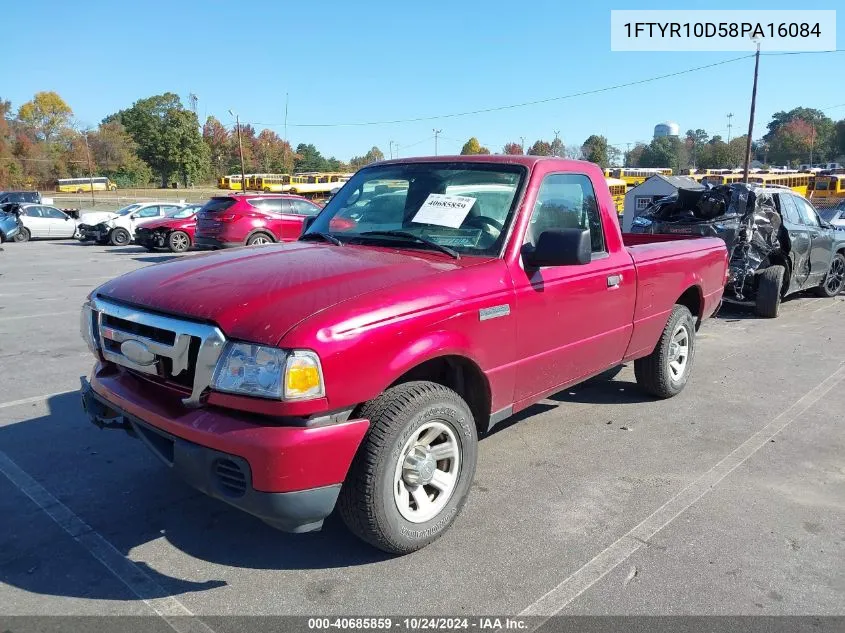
x,y
230,477
180,353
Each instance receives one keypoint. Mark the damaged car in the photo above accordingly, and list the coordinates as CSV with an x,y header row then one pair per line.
x,y
777,243
175,231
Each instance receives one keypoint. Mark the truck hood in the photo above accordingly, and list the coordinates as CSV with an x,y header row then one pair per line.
x,y
95,217
257,294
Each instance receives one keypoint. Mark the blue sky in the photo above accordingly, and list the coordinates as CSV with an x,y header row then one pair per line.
x,y
382,60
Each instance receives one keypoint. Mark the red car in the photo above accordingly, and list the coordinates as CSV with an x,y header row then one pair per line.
x,y
174,231
247,219
357,366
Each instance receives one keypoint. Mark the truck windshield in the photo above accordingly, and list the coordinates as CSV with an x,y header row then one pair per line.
x,y
466,207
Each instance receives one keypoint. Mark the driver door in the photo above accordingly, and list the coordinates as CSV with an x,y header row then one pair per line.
x,y
60,224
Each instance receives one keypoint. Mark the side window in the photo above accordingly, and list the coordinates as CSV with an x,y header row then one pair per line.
x,y
567,201
807,213
148,212
167,209
788,208
50,212
33,212
300,207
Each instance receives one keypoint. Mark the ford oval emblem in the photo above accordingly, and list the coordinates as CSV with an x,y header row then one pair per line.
x,y
137,352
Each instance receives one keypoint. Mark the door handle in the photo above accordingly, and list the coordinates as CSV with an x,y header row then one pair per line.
x,y
613,281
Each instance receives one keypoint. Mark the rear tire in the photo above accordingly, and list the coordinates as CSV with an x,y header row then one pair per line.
x,y
665,371
769,288
23,235
178,242
422,444
834,281
119,237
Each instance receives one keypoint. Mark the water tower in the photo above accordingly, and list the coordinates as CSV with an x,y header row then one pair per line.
x,y
667,128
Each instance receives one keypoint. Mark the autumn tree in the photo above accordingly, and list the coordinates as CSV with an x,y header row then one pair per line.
x,y
595,150
793,134
216,138
46,114
540,148
513,149
472,146
695,140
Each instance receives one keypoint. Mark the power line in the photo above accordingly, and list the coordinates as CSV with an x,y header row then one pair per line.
x,y
519,105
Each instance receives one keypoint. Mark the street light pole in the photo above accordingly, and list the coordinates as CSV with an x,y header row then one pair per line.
x,y
751,116
436,134
240,151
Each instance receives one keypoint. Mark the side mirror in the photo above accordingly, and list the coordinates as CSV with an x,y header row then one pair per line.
x,y
559,247
306,224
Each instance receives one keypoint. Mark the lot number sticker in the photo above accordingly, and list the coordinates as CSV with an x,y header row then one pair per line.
x,y
444,210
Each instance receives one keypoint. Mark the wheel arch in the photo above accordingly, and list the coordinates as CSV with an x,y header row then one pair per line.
x,y
693,299
782,259
263,230
459,373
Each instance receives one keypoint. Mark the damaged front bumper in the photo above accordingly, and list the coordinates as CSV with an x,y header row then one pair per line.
x,y
151,239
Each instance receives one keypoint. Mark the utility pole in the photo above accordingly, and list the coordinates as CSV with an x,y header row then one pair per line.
x,y
90,170
557,138
751,116
812,142
436,134
390,145
240,150
522,143
730,125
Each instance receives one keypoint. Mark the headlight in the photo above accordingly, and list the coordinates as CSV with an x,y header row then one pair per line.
x,y
259,370
87,321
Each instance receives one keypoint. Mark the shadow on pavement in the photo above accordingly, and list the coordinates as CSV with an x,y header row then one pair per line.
x,y
123,492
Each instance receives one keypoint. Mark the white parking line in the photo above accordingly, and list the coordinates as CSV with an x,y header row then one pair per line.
x,y
39,315
606,561
33,399
134,577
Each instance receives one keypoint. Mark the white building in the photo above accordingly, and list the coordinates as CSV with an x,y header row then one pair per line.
x,y
638,198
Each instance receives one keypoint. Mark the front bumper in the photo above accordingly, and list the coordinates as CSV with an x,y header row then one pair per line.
x,y
97,233
288,476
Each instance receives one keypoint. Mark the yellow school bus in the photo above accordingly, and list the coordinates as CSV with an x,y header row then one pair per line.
x,y
617,188
723,179
826,190
277,183
231,182
80,185
316,185
634,176
797,182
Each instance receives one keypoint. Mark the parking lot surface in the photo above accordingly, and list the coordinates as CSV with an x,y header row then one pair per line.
x,y
728,499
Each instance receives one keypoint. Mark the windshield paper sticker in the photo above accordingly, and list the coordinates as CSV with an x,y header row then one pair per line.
x,y
443,210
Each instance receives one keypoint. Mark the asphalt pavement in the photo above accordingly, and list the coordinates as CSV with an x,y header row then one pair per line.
x,y
726,500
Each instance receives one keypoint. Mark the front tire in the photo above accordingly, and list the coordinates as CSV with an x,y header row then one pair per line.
x,y
23,235
665,371
769,289
178,242
834,281
411,475
119,237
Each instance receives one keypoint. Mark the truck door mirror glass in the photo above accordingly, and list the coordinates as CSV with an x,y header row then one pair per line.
x,y
559,247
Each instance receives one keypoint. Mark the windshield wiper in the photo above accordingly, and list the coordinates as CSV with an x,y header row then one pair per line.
x,y
416,238
326,237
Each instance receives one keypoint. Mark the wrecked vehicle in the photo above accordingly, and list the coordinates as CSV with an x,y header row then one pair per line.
x,y
10,226
777,243
175,231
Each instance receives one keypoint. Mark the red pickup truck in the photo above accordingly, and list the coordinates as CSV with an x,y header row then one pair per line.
x,y
431,299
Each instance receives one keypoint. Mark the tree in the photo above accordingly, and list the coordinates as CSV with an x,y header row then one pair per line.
x,y
167,136
573,152
47,114
216,138
374,155
595,150
695,140
839,140
557,147
634,156
513,149
472,146
822,138
540,148
309,158
664,151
